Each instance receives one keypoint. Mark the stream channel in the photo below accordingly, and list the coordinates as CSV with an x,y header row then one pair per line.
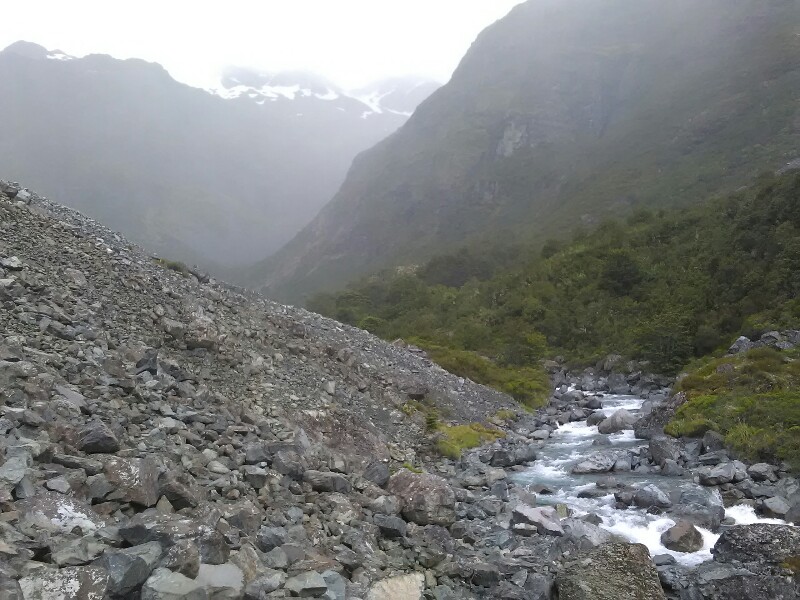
x,y
574,442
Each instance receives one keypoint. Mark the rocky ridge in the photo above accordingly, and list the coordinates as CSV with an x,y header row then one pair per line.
x,y
164,436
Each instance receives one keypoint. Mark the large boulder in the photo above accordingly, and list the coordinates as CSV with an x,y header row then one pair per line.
x,y
425,499
610,572
619,421
682,537
758,543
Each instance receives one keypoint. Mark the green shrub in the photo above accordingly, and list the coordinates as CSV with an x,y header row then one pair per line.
x,y
454,439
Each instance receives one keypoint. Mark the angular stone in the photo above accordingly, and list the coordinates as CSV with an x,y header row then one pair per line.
x,y
97,438
135,480
425,499
166,585
717,475
222,582
377,473
327,482
391,527
544,518
306,585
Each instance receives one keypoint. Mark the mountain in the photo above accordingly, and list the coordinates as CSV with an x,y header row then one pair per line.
x,y
563,113
209,176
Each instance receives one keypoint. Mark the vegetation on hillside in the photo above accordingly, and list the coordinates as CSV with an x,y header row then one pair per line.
x,y
753,399
664,286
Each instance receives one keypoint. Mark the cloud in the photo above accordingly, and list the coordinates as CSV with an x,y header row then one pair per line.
x,y
350,41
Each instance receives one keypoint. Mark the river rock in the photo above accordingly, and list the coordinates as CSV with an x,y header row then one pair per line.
x,y
682,537
610,572
663,448
425,499
544,519
651,495
718,475
619,421
759,543
775,507
597,463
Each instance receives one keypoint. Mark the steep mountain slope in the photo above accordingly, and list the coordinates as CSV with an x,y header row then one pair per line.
x,y
665,287
561,113
185,172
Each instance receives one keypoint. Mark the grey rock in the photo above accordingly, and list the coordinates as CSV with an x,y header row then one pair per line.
x,y
73,583
651,495
610,572
307,585
97,438
222,582
619,421
425,499
327,482
166,585
596,463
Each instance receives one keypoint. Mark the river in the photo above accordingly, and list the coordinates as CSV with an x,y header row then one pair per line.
x,y
576,441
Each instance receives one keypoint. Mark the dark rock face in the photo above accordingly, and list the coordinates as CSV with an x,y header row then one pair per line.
x,y
97,438
610,572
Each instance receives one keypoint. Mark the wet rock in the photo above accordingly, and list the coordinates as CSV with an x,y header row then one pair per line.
x,y
425,499
610,572
663,448
682,537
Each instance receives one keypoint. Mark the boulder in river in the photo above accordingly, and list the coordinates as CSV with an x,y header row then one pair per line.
x,y
619,421
758,543
597,463
651,495
610,572
682,537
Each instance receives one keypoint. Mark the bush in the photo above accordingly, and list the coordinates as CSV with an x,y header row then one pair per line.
x,y
457,438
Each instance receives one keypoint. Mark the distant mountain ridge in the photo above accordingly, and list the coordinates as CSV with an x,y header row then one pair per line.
x,y
560,114
182,171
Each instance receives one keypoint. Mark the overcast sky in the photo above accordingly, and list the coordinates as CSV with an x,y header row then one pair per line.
x,y
350,41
